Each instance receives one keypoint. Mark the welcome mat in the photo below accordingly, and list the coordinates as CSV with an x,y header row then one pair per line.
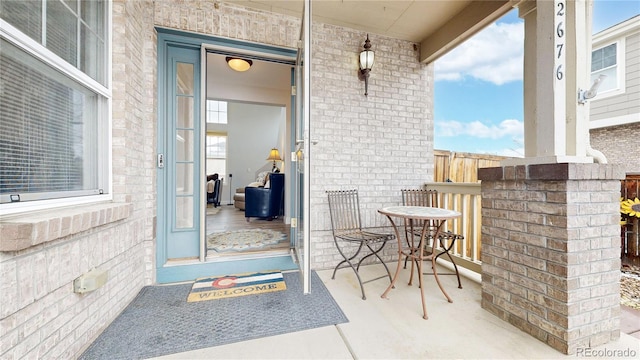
x,y
245,239
211,288
160,322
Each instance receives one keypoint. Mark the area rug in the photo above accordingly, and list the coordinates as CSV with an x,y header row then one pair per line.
x,y
220,287
246,239
160,322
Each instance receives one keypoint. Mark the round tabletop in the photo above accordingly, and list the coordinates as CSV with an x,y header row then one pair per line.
x,y
419,212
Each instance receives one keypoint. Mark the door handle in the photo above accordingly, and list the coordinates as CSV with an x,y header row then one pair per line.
x,y
314,142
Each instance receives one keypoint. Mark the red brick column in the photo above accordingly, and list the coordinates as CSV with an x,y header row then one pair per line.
x,y
551,251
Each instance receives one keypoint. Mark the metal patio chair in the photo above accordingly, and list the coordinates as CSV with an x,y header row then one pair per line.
x,y
446,239
349,236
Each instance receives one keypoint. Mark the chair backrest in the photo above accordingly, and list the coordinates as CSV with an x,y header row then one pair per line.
x,y
217,190
277,192
420,197
344,208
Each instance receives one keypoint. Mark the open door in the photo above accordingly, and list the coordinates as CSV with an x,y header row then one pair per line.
x,y
301,235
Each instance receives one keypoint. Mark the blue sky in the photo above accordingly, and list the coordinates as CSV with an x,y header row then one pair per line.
x,y
478,88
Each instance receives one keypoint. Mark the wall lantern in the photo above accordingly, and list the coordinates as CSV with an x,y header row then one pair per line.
x,y
238,64
366,63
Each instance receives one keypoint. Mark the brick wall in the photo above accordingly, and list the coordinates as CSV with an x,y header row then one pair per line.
x,y
619,144
40,315
378,144
550,251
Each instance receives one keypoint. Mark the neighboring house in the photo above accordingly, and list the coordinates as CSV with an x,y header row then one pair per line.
x,y
102,141
615,111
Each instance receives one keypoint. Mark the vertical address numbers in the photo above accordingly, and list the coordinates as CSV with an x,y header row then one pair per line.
x,y
560,11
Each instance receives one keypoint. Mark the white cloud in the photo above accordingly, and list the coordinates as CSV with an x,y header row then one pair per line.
x,y
510,127
494,55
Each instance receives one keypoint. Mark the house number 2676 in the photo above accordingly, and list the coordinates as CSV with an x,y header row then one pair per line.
x,y
559,17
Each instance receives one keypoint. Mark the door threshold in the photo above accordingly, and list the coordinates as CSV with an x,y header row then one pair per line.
x,y
247,256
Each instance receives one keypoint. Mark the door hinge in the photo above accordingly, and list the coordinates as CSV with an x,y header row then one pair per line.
x,y
293,90
294,222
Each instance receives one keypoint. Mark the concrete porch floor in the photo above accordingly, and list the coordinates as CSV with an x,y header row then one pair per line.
x,y
393,328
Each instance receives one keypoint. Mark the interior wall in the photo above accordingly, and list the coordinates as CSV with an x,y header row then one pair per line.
x,y
252,131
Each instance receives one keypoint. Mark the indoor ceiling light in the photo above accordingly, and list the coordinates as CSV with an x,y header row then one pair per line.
x,y
238,64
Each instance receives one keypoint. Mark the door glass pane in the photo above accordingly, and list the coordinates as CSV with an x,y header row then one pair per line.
x,y
184,179
184,153
184,212
184,83
184,115
184,145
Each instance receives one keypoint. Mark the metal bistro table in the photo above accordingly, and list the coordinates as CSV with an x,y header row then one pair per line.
x,y
415,252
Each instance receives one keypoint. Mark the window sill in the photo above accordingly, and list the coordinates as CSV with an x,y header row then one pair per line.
x,y
23,231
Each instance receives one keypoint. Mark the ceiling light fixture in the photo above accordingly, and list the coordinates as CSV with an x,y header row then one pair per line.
x,y
238,64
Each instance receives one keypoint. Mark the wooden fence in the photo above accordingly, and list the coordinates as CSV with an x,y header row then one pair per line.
x,y
461,167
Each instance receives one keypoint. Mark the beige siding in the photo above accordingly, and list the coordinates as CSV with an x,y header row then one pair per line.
x,y
628,102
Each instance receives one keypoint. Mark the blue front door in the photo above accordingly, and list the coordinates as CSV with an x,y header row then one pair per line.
x,y
180,250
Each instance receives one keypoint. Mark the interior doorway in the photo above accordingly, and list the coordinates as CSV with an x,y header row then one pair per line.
x,y
247,114
184,86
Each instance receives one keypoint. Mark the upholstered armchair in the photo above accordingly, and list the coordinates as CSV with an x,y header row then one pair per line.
x,y
265,202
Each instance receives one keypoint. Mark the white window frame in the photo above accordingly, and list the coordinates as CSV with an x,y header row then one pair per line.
x,y
620,69
209,112
33,48
226,151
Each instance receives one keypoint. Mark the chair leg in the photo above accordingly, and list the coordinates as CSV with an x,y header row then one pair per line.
x,y
348,261
446,251
375,253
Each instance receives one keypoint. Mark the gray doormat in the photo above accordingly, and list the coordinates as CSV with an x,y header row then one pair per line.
x,y
160,321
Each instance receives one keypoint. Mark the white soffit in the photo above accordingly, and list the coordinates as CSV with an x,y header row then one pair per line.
x,y
411,20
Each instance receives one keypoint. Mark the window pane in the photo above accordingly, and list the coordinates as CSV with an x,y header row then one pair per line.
x,y
92,14
72,4
62,29
610,82
604,57
216,146
216,112
596,60
26,16
92,59
49,130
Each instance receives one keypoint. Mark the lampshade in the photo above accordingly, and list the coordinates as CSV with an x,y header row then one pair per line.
x,y
274,155
238,64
